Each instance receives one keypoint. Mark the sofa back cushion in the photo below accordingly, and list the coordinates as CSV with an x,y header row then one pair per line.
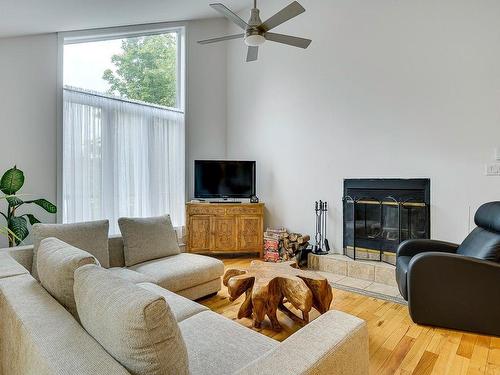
x,y
57,262
147,239
481,244
134,325
89,236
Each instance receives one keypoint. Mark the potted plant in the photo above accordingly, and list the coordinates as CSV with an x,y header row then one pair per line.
x,y
16,228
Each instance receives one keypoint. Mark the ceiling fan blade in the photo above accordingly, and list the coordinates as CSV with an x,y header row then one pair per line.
x,y
287,13
221,39
252,54
226,12
287,39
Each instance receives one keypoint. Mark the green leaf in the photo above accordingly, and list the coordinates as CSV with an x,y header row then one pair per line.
x,y
45,204
12,181
19,226
32,219
14,201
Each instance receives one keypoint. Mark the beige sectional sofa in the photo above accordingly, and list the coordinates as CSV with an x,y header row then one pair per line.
x,y
39,336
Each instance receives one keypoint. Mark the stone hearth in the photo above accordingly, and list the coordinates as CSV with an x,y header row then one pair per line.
x,y
363,276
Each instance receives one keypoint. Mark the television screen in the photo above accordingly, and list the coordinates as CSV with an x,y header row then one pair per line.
x,y
224,179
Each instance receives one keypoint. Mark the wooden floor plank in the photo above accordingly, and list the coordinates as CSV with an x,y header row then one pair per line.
x,y
479,359
397,345
426,363
466,346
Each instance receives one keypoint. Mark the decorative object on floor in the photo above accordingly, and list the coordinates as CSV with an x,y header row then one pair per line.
x,y
322,246
280,246
257,32
225,227
268,286
455,286
381,213
11,182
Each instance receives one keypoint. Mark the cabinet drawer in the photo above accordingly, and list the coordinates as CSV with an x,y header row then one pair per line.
x,y
206,210
244,210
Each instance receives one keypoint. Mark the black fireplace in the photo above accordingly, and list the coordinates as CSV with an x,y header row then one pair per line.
x,y
381,213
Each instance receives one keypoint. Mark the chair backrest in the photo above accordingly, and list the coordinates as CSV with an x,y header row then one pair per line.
x,y
484,241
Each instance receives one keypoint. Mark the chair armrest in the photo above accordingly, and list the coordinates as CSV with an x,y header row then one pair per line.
x,y
414,247
454,291
333,344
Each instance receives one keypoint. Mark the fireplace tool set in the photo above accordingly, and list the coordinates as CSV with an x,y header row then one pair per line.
x,y
322,246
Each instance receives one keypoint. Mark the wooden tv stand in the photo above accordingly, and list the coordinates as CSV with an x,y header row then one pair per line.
x,y
225,228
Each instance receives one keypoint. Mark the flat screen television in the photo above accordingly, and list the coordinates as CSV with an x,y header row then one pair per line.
x,y
224,179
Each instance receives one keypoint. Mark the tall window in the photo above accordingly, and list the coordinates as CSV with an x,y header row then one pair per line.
x,y
123,127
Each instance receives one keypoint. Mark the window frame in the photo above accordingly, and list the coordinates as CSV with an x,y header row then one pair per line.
x,y
101,34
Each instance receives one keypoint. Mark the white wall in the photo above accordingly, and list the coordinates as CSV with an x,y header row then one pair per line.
x,y
387,89
206,106
28,69
28,74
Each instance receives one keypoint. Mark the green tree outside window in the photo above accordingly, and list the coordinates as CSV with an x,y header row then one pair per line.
x,y
146,70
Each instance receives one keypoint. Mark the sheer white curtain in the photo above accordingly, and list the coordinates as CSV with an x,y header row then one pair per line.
x,y
121,159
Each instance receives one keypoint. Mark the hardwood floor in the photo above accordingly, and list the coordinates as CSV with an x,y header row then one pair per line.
x,y
397,345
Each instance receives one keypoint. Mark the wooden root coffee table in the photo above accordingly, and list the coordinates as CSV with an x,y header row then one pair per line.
x,y
268,285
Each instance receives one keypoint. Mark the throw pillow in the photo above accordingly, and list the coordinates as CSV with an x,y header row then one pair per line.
x,y
147,239
134,325
57,262
89,236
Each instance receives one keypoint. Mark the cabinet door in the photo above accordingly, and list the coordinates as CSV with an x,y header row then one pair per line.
x,y
199,233
250,233
224,233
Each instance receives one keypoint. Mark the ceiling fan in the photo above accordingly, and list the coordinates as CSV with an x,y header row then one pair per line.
x,y
257,32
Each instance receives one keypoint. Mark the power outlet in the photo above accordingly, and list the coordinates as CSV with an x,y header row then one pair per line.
x,y
493,169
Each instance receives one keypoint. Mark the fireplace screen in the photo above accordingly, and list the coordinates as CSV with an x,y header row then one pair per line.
x,y
380,214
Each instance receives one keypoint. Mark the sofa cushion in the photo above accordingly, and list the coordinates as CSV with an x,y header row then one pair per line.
x,y
147,239
57,262
89,236
182,308
134,325
181,271
201,290
217,345
129,275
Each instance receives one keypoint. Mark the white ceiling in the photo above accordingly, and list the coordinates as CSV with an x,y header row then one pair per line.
x,y
23,17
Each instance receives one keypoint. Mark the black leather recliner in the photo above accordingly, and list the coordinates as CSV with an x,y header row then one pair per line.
x,y
455,286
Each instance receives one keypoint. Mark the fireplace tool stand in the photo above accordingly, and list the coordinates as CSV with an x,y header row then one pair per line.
x,y
322,247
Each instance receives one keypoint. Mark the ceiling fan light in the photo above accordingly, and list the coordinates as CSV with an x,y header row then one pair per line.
x,y
254,40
